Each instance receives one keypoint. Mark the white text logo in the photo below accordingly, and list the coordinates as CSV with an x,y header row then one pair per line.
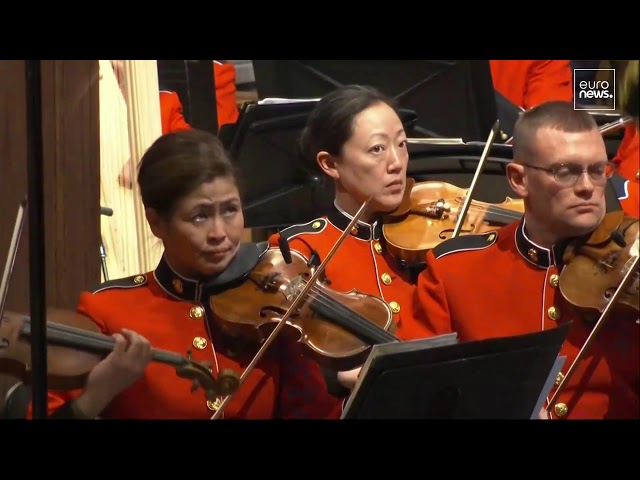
x,y
591,92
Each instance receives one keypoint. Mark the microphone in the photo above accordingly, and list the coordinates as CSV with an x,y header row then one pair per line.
x,y
284,249
107,212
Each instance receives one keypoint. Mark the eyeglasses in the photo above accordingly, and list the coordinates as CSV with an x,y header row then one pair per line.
x,y
568,173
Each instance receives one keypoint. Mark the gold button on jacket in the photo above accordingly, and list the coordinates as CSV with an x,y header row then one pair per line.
x,y
200,343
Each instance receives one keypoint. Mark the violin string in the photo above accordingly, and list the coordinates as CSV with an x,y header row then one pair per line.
x,y
105,343
78,336
361,324
498,213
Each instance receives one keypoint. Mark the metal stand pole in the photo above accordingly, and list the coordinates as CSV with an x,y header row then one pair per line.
x,y
35,195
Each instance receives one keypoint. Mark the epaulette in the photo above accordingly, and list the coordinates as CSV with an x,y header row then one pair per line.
x,y
462,243
314,226
126,282
619,191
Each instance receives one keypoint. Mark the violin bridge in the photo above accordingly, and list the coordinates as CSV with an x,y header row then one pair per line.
x,y
294,288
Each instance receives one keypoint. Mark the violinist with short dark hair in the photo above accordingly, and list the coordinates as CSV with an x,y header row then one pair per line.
x,y
193,206
509,282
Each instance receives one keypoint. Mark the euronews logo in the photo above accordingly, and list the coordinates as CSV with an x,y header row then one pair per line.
x,y
592,93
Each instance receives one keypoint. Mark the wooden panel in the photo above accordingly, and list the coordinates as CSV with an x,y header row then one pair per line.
x,y
72,187
71,177
13,176
13,186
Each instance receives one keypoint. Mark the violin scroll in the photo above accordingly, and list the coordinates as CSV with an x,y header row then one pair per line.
x,y
202,377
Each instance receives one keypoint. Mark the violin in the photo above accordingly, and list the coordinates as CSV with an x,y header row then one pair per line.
x,y
595,266
299,303
427,217
75,345
337,329
601,274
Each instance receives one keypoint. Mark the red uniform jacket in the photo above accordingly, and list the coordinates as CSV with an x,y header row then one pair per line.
x,y
501,284
527,83
362,263
171,113
172,314
224,77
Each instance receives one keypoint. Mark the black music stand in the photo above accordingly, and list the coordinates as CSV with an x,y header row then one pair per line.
x,y
498,378
452,98
277,186
457,164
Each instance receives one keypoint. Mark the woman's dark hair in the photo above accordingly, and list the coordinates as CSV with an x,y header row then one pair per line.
x,y
330,124
176,164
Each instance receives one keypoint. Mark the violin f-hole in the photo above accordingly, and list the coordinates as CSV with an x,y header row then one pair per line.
x,y
269,283
443,233
269,310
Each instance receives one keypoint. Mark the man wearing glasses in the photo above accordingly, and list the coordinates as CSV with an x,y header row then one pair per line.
x,y
508,282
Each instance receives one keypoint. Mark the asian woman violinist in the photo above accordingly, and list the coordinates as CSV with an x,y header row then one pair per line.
x,y
356,138
193,206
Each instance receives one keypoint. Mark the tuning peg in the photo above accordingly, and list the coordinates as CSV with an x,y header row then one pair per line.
x,y
189,354
195,385
228,381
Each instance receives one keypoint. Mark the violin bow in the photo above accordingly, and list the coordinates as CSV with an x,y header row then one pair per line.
x,y
467,200
626,282
616,124
294,305
11,255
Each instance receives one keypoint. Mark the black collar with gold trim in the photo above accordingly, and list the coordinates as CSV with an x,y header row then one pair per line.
x,y
184,288
361,230
193,289
535,254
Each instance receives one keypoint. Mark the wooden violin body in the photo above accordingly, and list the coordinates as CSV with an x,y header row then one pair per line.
x,y
427,217
594,269
337,329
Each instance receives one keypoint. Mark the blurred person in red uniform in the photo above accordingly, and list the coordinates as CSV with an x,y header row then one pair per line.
x,y
172,112
627,158
356,138
193,206
507,282
527,83
224,78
